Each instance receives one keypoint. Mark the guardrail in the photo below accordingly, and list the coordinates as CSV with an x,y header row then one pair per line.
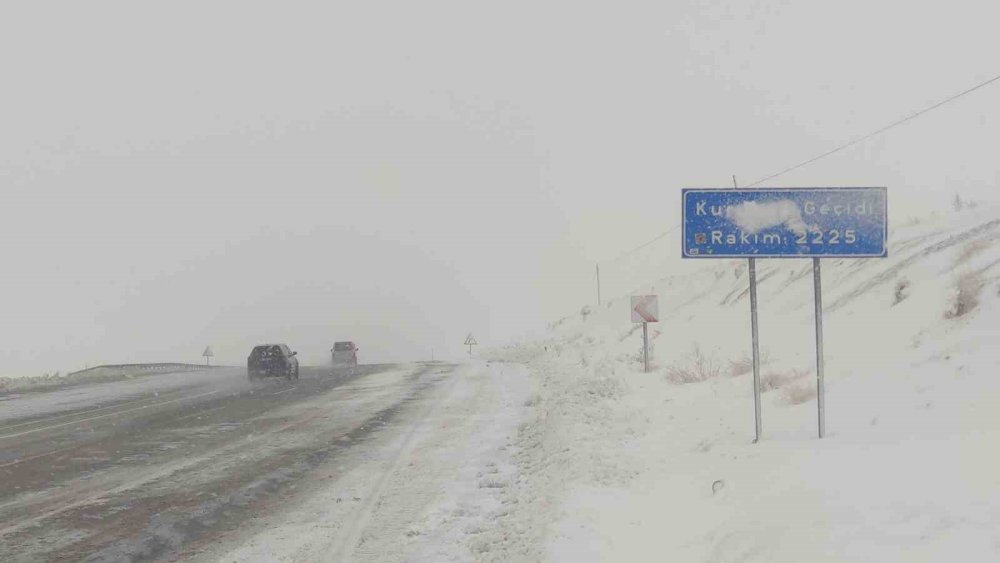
x,y
96,374
158,367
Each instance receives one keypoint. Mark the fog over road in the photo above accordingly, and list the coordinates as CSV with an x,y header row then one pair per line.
x,y
165,467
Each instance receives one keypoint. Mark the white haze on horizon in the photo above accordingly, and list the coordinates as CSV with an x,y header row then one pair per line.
x,y
400,174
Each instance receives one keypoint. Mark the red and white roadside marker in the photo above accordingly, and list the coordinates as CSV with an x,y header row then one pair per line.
x,y
645,309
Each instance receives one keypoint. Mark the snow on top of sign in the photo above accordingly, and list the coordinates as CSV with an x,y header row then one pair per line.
x,y
754,217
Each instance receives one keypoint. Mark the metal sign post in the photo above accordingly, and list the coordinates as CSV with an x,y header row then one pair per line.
x,y
645,347
756,349
754,341
820,390
785,223
645,310
470,341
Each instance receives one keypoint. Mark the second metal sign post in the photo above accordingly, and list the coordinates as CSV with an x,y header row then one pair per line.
x,y
645,309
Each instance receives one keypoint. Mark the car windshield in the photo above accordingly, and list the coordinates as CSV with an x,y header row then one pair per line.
x,y
343,347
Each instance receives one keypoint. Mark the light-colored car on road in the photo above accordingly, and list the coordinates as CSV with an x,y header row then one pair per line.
x,y
344,354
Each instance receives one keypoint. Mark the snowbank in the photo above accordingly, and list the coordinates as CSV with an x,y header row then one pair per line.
x,y
99,374
619,465
438,482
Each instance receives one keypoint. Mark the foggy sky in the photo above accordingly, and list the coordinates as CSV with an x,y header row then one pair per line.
x,y
400,174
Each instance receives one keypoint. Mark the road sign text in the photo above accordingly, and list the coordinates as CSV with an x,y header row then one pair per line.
x,y
782,223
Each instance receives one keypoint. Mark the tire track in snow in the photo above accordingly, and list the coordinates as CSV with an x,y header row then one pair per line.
x,y
106,415
78,413
344,552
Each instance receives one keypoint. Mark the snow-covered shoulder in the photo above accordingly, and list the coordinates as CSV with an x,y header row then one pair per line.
x,y
438,482
634,466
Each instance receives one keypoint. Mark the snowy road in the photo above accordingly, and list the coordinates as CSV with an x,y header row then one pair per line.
x,y
208,464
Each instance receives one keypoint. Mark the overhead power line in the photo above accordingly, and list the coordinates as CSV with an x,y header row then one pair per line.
x,y
643,245
878,131
839,148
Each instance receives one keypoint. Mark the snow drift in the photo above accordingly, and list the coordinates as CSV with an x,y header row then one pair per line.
x,y
627,466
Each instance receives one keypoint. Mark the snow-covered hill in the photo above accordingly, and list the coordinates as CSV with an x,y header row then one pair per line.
x,y
620,465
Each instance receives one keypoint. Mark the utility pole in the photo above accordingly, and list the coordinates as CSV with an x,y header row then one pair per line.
x,y
598,285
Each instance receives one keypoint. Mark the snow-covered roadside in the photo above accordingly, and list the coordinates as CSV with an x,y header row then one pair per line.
x,y
98,394
432,485
632,466
467,452
12,387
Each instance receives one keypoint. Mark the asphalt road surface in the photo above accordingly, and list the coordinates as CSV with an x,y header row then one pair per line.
x,y
160,467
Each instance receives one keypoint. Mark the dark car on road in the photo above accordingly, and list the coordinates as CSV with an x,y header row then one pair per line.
x,y
345,354
272,360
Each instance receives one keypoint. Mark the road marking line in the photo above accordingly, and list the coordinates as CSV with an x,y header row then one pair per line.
x,y
50,419
169,469
64,450
200,413
284,391
32,431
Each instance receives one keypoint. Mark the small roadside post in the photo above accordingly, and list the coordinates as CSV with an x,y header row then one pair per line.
x,y
470,341
786,223
208,354
598,285
645,310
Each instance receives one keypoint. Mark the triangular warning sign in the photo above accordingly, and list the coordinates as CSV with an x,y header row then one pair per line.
x,y
470,340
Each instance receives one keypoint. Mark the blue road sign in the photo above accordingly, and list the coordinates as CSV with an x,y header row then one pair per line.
x,y
784,222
